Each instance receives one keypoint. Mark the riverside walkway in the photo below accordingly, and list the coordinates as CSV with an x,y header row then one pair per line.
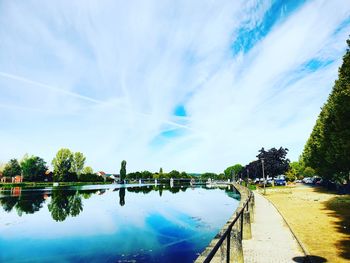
x,y
272,240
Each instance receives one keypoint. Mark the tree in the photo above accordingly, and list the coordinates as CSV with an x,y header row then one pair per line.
x,y
33,168
78,163
146,175
88,170
62,165
297,168
12,168
206,176
252,170
233,170
309,172
123,171
275,161
184,175
2,166
328,147
174,174
160,171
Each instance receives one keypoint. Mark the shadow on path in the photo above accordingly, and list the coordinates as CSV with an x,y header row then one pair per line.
x,y
309,259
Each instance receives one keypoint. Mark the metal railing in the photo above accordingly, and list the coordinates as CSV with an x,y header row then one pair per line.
x,y
227,234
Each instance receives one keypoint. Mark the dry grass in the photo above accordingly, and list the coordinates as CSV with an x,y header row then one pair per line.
x,y
320,219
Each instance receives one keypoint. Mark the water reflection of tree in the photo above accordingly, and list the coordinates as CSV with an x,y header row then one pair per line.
x,y
148,188
28,204
122,196
64,204
8,203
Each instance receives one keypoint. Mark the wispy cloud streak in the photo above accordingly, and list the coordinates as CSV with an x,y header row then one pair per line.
x,y
189,85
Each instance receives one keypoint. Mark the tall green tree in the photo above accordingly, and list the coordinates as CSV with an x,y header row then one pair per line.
x,y
78,163
123,171
33,168
233,170
12,168
62,165
328,147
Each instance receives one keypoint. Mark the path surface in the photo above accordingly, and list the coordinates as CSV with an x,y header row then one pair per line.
x,y
272,240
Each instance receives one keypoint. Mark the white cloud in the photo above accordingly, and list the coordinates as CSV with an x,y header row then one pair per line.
x,y
104,77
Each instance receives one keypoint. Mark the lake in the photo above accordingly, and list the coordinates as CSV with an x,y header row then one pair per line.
x,y
106,223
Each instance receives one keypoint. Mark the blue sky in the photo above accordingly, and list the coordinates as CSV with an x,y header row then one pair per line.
x,y
188,85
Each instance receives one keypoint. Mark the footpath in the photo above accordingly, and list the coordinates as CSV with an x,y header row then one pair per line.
x,y
272,240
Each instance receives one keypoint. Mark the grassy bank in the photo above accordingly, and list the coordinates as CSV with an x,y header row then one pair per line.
x,y
319,218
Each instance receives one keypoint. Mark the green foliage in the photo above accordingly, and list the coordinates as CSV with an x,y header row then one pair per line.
x,y
328,147
33,168
233,171
78,163
88,170
134,176
123,171
64,204
12,168
2,167
297,168
213,176
161,171
174,174
90,177
184,175
146,175
309,172
62,165
291,175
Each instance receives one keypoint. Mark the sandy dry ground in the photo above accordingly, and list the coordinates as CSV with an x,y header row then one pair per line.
x,y
320,220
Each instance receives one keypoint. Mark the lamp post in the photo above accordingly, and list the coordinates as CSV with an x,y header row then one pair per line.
x,y
263,170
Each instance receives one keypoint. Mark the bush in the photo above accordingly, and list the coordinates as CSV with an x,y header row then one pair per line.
x,y
90,178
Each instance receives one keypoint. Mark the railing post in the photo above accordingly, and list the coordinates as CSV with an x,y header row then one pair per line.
x,y
251,209
247,230
236,253
241,224
228,246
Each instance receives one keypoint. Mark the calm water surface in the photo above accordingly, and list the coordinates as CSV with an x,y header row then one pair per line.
x,y
110,224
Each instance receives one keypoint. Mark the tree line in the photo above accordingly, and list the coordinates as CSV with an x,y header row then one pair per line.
x,y
68,166
327,150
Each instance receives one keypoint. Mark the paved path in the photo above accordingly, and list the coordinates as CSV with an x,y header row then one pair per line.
x,y
272,240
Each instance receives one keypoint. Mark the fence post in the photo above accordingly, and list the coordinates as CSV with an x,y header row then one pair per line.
x,y
236,252
247,230
251,209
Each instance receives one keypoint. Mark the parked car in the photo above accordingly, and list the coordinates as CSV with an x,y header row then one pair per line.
x,y
316,179
307,180
280,182
256,180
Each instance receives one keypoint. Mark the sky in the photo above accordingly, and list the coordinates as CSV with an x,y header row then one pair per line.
x,y
188,85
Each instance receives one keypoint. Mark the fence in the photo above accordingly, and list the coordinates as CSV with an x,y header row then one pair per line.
x,y
237,229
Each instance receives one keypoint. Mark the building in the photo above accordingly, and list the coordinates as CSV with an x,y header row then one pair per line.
x,y
17,179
